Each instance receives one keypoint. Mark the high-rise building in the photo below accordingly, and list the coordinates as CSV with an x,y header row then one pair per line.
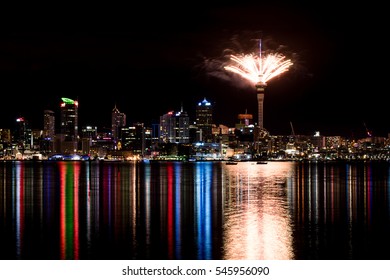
x,y
167,123
204,121
22,134
175,127
69,126
46,140
118,120
48,125
182,128
133,138
88,136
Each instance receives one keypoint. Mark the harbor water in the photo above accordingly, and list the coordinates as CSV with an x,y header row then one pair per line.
x,y
55,210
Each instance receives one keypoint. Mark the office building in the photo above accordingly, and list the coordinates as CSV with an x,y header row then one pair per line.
x,y
118,120
204,121
48,125
68,138
175,127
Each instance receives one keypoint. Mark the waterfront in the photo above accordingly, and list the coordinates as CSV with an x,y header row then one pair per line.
x,y
194,210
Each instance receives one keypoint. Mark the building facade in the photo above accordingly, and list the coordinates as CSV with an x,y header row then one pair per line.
x,y
48,124
67,141
118,120
22,134
204,121
175,127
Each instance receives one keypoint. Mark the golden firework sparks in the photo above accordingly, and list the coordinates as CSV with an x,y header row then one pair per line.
x,y
257,68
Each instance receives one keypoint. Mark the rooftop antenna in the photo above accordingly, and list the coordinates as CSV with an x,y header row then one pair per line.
x,y
260,57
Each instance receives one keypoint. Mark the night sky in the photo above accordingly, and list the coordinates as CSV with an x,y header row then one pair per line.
x,y
150,59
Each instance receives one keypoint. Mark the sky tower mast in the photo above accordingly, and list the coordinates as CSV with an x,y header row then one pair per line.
x,y
260,87
259,70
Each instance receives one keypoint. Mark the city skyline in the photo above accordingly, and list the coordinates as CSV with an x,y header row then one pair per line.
x,y
148,71
146,203
192,115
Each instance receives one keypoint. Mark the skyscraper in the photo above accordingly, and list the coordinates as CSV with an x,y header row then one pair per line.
x,y
133,138
204,120
118,120
22,134
69,125
175,127
48,125
182,127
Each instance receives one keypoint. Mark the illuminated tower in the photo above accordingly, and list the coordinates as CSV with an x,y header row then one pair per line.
x,y
260,135
69,125
204,120
259,70
260,87
118,120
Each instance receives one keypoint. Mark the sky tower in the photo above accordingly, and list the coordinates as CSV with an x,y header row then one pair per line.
x,y
260,87
258,70
260,101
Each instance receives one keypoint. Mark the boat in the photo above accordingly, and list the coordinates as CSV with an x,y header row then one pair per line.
x,y
261,162
231,163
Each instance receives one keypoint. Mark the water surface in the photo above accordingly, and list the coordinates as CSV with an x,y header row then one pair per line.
x,y
194,210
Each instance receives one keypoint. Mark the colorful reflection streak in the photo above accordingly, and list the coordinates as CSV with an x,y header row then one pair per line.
x,y
69,210
18,197
257,224
83,210
23,213
197,210
203,210
341,210
194,217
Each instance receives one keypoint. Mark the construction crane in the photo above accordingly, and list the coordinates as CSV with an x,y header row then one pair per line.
x,y
291,149
369,133
292,129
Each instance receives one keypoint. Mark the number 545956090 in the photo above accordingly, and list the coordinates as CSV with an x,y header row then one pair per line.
x,y
241,270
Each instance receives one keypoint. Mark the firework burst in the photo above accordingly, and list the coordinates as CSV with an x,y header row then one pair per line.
x,y
258,69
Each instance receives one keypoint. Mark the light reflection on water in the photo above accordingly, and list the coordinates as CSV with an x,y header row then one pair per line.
x,y
201,210
257,224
